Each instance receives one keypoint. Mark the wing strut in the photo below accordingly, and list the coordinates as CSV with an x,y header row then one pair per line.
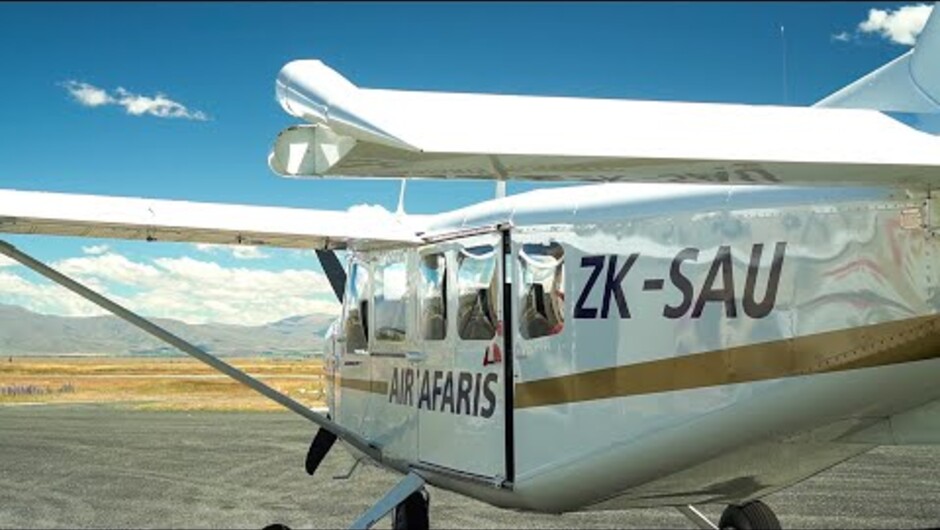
x,y
411,483
136,320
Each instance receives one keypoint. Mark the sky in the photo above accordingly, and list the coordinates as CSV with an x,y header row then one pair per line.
x,y
176,101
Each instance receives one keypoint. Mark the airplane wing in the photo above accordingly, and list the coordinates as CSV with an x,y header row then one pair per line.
x,y
360,132
29,212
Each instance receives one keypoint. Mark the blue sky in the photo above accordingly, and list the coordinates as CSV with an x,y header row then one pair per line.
x,y
221,59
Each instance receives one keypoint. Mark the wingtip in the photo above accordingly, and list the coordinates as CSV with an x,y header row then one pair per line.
x,y
318,94
308,88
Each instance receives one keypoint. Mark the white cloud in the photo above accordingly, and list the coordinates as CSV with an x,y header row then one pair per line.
x,y
845,36
237,251
901,26
112,267
43,297
87,95
248,252
6,262
376,212
159,105
187,289
94,250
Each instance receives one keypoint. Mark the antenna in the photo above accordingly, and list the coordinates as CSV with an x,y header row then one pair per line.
x,y
783,46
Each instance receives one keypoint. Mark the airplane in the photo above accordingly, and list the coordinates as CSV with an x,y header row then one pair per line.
x,y
737,297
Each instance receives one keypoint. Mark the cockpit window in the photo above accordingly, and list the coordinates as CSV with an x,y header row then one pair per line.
x,y
356,326
433,296
542,272
390,291
476,292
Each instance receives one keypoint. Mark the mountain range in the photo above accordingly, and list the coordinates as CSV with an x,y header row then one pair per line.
x,y
23,332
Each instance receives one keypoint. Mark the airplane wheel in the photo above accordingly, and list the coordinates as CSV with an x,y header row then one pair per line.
x,y
276,526
412,514
754,515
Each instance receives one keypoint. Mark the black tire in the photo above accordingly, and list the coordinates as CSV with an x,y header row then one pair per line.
x,y
276,526
754,515
412,513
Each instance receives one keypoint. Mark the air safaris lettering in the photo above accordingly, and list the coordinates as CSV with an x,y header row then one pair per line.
x,y
445,391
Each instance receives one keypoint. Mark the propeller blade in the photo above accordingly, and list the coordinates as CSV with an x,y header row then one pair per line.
x,y
334,271
324,439
320,446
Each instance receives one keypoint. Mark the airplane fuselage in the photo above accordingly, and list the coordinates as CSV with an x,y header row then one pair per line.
x,y
652,344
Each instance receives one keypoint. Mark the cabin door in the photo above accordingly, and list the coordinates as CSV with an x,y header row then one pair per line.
x,y
459,381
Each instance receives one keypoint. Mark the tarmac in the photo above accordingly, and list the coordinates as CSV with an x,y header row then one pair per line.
x,y
98,466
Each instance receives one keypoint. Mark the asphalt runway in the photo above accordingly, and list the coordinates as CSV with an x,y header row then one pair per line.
x,y
94,466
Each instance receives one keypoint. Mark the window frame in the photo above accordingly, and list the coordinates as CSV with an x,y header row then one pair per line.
x,y
443,282
490,312
554,316
358,264
380,265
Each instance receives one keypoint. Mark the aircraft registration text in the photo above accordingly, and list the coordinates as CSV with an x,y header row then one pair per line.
x,y
608,273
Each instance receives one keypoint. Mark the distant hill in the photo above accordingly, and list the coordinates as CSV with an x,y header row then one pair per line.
x,y
23,332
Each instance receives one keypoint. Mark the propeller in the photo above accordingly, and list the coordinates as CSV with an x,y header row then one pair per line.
x,y
334,270
323,441
321,445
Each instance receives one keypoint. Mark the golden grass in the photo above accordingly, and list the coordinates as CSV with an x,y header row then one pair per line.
x,y
158,384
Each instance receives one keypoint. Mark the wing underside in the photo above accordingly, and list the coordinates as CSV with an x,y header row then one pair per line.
x,y
27,212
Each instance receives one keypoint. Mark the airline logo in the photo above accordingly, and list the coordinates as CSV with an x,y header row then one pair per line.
x,y
462,393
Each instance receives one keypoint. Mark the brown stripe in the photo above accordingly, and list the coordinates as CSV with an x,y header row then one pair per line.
x,y
366,385
877,345
390,355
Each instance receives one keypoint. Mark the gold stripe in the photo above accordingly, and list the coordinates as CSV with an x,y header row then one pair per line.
x,y
365,385
877,345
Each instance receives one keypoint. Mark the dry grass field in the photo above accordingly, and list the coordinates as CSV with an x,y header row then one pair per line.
x,y
74,465
156,384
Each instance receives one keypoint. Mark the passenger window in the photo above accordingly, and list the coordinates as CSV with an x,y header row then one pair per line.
x,y
390,292
433,296
476,293
542,272
355,327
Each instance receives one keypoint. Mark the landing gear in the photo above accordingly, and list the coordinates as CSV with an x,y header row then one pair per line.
x,y
412,513
753,515
408,502
407,499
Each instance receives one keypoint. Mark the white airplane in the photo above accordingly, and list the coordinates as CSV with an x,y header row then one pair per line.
x,y
742,296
